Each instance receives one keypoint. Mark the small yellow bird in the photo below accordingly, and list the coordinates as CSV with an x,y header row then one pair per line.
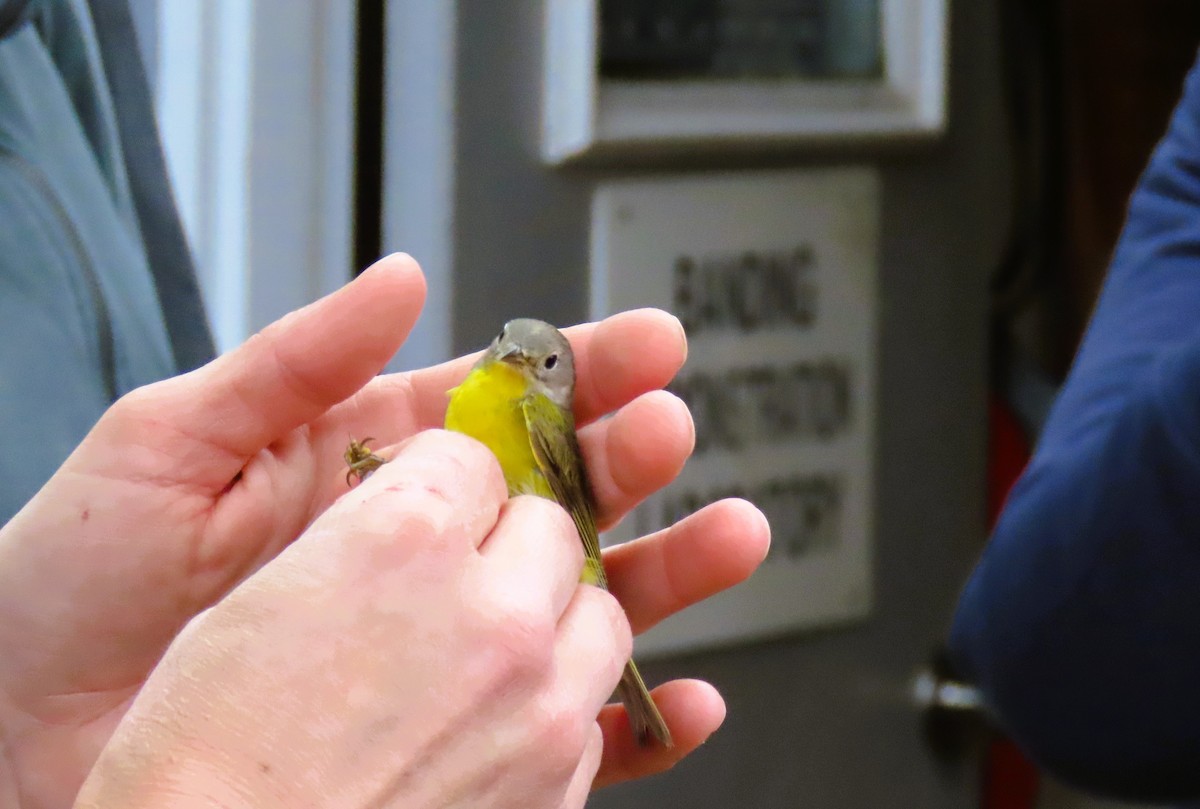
x,y
517,401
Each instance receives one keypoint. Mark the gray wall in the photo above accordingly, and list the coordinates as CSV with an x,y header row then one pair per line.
x,y
821,720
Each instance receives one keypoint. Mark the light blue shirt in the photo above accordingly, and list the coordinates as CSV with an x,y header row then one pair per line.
x,y
97,292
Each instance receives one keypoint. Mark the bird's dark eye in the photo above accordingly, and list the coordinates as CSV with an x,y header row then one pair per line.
x,y
551,361
500,336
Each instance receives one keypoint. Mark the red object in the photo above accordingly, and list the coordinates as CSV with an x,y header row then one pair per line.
x,y
1008,452
1009,779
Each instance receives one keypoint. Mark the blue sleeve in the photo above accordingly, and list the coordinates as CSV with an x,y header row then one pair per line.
x,y
1081,622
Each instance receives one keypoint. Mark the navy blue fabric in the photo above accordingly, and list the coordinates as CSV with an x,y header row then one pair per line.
x,y
1081,622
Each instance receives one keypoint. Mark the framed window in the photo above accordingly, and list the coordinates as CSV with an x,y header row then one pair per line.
x,y
623,77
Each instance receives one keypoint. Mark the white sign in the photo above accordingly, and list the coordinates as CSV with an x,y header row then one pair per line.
x,y
774,277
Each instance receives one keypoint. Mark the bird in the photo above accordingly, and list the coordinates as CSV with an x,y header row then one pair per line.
x,y
517,400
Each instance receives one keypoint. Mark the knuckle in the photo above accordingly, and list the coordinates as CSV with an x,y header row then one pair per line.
x,y
617,621
549,518
433,444
519,639
561,734
470,459
405,520
413,513
471,452
442,440
547,513
565,530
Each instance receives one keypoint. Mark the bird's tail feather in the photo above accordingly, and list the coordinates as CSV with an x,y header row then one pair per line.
x,y
643,713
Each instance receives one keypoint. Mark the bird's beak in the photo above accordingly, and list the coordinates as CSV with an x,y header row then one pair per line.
x,y
510,354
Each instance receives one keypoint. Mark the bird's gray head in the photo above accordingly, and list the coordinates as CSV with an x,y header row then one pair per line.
x,y
542,352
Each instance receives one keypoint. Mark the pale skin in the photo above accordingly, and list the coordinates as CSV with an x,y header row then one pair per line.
x,y
416,641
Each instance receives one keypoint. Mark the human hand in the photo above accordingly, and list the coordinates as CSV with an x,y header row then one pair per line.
x,y
188,486
425,643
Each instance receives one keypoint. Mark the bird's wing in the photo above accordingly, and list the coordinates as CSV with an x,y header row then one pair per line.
x,y
556,449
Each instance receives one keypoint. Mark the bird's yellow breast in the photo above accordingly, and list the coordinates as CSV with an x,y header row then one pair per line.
x,y
487,407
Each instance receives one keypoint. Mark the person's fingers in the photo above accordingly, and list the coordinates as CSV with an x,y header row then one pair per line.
x,y
637,352
590,651
635,453
581,783
658,575
432,469
283,377
629,456
535,549
628,354
438,483
707,552
692,709
616,360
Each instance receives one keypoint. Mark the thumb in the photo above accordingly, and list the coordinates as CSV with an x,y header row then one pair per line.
x,y
285,376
